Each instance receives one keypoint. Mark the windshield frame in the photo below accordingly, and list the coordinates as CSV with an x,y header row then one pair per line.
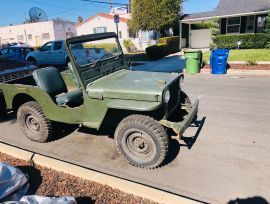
x,y
91,38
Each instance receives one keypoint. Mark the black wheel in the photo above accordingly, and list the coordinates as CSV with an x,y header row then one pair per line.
x,y
33,122
32,60
142,141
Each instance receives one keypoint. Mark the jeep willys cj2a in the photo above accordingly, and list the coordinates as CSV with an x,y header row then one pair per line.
x,y
144,106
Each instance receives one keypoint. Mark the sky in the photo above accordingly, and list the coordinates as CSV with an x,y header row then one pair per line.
x,y
15,11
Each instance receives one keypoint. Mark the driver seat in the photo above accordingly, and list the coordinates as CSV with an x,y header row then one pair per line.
x,y
50,80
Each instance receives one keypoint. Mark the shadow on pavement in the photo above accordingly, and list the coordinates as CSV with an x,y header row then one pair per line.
x,y
62,130
253,200
190,141
35,178
85,200
8,117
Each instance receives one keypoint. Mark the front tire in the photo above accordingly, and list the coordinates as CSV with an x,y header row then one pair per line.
x,y
33,122
142,141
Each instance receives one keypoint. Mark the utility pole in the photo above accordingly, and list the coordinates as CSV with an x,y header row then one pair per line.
x,y
181,13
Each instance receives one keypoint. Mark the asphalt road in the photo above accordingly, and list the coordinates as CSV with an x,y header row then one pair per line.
x,y
226,158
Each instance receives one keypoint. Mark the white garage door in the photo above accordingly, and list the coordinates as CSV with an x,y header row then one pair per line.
x,y
200,38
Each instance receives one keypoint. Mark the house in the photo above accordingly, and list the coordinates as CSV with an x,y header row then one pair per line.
x,y
104,22
36,34
235,17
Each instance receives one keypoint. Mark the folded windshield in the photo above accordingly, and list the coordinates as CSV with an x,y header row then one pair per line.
x,y
92,52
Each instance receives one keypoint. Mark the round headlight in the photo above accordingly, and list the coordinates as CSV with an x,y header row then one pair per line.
x,y
167,96
181,82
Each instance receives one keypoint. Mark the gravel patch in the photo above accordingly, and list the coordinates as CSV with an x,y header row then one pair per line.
x,y
48,182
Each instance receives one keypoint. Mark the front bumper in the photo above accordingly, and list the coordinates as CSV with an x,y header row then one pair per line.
x,y
180,127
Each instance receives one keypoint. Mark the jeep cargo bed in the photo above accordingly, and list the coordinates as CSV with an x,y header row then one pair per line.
x,y
12,70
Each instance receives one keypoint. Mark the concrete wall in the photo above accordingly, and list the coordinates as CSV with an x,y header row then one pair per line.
x,y
64,29
200,38
141,41
36,34
88,27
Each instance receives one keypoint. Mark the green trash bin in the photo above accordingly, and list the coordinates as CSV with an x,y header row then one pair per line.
x,y
193,61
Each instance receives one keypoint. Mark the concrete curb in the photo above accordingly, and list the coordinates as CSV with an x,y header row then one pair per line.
x,y
117,183
245,62
241,72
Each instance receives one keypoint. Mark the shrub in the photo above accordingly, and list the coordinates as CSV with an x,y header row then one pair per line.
x,y
166,46
156,52
248,41
172,43
128,45
251,62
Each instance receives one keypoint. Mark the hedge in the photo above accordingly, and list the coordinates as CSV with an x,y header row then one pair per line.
x,y
248,41
156,52
166,46
172,43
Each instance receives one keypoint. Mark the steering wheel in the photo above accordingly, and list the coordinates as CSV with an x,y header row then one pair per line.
x,y
100,58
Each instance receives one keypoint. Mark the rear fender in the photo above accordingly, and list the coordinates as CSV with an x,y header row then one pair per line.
x,y
51,110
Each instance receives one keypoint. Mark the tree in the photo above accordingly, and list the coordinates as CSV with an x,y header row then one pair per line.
x,y
215,30
154,15
267,28
80,19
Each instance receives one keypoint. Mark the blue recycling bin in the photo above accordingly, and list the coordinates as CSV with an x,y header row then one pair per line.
x,y
218,61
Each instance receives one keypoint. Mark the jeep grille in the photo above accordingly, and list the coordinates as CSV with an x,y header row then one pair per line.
x,y
175,97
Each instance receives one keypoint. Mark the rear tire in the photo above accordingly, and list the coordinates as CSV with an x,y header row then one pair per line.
x,y
33,122
142,141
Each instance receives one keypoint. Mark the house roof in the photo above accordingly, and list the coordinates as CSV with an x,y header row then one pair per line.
x,y
123,19
231,8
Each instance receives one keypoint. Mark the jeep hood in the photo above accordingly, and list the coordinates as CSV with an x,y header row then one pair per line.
x,y
131,85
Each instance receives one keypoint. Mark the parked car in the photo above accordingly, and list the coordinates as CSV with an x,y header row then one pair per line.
x,y
15,53
51,53
139,105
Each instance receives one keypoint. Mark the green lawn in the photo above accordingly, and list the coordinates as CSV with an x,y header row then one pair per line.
x,y
245,55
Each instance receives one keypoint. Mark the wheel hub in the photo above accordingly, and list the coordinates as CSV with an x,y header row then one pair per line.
x,y
32,123
140,143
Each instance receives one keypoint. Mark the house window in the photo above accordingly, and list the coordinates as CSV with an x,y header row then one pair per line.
x,y
233,25
100,30
260,24
45,36
120,34
29,36
20,37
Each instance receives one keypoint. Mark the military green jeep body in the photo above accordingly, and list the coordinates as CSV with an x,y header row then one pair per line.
x,y
143,105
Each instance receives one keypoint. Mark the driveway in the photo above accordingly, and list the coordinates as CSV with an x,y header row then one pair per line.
x,y
226,157
172,63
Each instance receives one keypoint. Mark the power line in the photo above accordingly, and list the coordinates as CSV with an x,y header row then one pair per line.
x,y
104,2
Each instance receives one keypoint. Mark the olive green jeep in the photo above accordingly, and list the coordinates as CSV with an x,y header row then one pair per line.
x,y
143,106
